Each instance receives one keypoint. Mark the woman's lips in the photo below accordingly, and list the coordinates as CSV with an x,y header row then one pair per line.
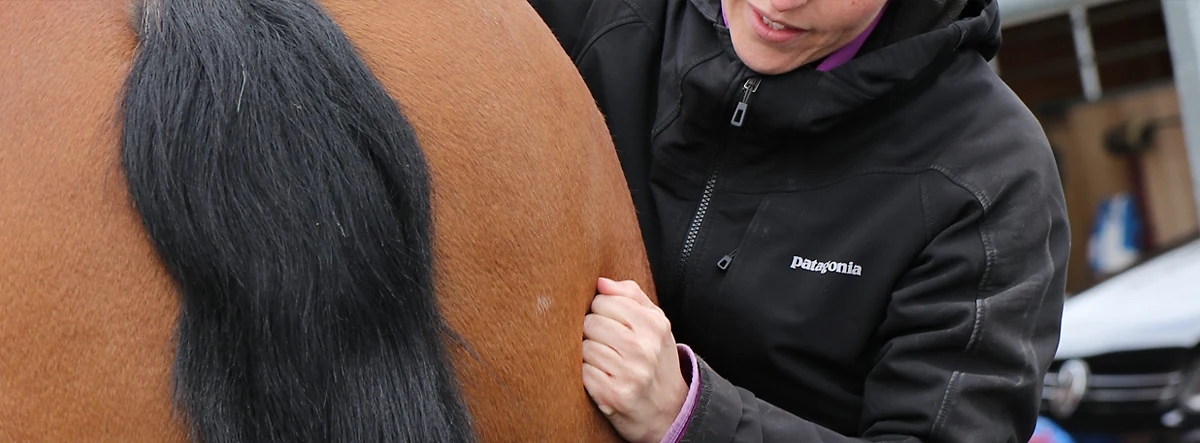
x,y
770,30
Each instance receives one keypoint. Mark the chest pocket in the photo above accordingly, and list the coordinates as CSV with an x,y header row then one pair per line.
x,y
812,276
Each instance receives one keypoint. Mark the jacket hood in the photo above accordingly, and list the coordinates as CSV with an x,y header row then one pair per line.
x,y
896,56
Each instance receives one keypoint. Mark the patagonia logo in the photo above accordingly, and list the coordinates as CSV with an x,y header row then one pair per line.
x,y
822,267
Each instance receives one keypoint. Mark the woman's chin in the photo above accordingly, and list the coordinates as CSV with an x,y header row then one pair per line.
x,y
765,60
770,65
767,67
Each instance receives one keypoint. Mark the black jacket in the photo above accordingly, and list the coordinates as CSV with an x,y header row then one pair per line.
x,y
874,253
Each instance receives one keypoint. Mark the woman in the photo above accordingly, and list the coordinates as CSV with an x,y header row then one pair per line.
x,y
855,227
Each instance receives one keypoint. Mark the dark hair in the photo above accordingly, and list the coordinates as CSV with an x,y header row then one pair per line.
x,y
288,199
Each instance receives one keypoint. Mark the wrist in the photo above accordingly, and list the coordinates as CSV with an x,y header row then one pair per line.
x,y
690,372
669,410
676,401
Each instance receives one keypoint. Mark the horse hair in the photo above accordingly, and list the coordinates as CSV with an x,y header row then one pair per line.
x,y
288,198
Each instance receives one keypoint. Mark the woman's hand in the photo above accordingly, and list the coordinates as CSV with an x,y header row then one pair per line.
x,y
630,363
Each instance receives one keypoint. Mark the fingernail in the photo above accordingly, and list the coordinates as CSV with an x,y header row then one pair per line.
x,y
607,410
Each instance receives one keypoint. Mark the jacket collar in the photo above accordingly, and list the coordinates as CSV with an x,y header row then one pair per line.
x,y
806,100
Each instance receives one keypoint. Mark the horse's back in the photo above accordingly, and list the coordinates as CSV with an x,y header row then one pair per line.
x,y
85,310
530,203
529,207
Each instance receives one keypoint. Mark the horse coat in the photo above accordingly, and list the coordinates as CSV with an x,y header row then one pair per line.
x,y
206,232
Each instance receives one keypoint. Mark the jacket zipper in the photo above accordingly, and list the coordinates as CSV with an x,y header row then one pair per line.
x,y
689,242
739,114
727,260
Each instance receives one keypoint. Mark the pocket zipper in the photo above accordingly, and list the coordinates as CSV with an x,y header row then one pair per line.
x,y
725,261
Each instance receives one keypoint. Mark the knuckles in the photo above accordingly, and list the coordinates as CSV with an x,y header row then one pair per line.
x,y
589,324
622,395
660,325
627,341
641,376
589,349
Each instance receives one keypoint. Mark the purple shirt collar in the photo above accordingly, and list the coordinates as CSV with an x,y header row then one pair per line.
x,y
845,53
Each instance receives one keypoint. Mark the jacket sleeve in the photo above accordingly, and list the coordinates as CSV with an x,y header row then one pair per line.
x,y
968,335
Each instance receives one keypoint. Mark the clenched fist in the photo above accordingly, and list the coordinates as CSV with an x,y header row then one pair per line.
x,y
630,362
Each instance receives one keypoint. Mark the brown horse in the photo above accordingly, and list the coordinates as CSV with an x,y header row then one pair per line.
x,y
227,221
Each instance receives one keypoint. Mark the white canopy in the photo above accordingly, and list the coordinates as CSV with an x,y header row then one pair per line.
x,y
1155,304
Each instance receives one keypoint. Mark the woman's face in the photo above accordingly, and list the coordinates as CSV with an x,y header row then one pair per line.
x,y
795,32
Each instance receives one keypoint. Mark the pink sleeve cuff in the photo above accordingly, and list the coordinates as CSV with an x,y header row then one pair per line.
x,y
691,373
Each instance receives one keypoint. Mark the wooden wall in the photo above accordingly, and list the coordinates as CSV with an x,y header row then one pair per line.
x,y
1133,59
1091,174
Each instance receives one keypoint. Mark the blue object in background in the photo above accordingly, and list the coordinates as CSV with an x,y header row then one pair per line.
x,y
1113,244
1049,432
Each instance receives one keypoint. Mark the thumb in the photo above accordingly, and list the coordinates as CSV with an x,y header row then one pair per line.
x,y
628,289
611,287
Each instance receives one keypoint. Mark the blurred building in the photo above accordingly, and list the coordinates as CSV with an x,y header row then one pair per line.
x,y
1101,77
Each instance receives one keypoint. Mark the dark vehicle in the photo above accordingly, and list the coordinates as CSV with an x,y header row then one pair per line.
x,y
1128,357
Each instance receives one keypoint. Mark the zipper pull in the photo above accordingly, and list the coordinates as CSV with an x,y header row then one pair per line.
x,y
725,261
748,88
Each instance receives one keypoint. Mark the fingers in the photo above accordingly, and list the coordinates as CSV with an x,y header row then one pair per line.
x,y
639,318
618,308
599,387
626,302
610,333
628,289
602,357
